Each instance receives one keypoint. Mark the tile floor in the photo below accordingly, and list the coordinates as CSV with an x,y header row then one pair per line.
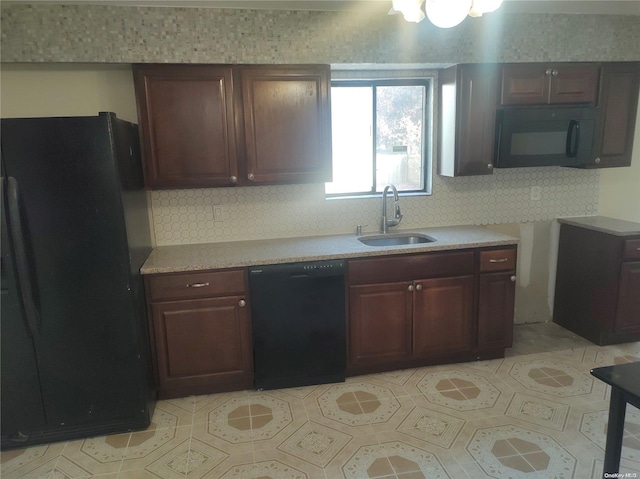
x,y
536,414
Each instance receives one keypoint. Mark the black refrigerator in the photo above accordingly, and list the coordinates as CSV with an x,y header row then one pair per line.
x,y
75,357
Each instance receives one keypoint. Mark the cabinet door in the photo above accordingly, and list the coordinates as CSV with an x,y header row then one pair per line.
x,y
525,84
574,83
468,96
628,310
540,84
443,316
287,124
186,117
379,323
202,345
617,114
495,310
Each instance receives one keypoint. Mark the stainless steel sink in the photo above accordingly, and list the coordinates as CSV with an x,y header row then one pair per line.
x,y
396,239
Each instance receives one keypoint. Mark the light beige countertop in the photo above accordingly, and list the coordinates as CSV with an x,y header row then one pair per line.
x,y
604,224
168,259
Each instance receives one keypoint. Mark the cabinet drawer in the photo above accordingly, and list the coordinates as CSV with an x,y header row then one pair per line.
x,y
497,260
197,285
409,268
632,249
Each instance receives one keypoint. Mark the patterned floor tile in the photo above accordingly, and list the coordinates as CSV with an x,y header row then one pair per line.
x,y
315,443
464,393
535,414
99,455
393,459
542,412
594,427
33,461
510,451
162,451
554,378
430,426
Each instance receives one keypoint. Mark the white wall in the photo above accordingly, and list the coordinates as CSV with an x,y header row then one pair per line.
x,y
35,90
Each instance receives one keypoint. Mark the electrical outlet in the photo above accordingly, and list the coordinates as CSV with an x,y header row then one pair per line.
x,y
536,193
217,213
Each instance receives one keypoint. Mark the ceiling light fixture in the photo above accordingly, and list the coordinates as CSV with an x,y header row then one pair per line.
x,y
443,13
411,9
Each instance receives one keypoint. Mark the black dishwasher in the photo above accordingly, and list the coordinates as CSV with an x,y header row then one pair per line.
x,y
299,323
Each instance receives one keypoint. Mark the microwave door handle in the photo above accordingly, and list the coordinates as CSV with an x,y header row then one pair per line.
x,y
573,138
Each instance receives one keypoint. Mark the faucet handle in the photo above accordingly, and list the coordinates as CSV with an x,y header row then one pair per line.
x,y
398,214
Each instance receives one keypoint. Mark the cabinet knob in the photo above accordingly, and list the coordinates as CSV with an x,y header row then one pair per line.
x,y
513,279
548,72
418,287
234,179
250,176
597,161
242,303
490,166
554,73
410,287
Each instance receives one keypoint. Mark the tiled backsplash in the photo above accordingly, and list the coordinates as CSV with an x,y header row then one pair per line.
x,y
231,214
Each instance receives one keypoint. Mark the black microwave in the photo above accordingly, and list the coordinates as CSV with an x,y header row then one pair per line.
x,y
544,136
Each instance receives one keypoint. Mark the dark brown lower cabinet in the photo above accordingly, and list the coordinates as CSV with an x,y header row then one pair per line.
x,y
202,345
430,308
380,323
443,316
628,307
598,285
495,310
201,332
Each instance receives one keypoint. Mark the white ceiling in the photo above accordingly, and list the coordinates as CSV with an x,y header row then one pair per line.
x,y
621,7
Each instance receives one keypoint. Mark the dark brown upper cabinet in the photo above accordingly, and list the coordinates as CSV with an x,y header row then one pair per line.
x,y
187,125
225,125
287,124
617,111
468,101
554,83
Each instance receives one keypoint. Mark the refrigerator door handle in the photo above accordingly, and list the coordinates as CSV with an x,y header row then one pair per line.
x,y
23,270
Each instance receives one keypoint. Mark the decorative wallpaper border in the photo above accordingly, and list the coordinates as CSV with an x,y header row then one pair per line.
x,y
118,34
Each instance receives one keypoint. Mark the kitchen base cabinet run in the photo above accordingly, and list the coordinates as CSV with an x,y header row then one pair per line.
x,y
433,308
202,332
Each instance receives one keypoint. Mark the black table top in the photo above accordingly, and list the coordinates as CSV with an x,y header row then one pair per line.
x,y
625,377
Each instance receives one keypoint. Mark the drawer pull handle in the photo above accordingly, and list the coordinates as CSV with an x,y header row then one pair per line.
x,y
198,285
637,249
501,260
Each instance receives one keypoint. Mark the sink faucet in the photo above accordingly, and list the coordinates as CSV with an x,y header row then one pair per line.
x,y
397,217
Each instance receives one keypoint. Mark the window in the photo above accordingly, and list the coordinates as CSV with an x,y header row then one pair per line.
x,y
379,136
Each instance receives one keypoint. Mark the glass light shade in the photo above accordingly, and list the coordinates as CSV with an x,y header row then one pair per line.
x,y
484,6
447,13
410,9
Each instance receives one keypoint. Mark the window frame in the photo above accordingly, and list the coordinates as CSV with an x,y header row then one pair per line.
x,y
427,131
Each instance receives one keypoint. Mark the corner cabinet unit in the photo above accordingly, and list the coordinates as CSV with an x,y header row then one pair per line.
x,y
468,101
598,284
549,84
432,308
228,125
201,332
